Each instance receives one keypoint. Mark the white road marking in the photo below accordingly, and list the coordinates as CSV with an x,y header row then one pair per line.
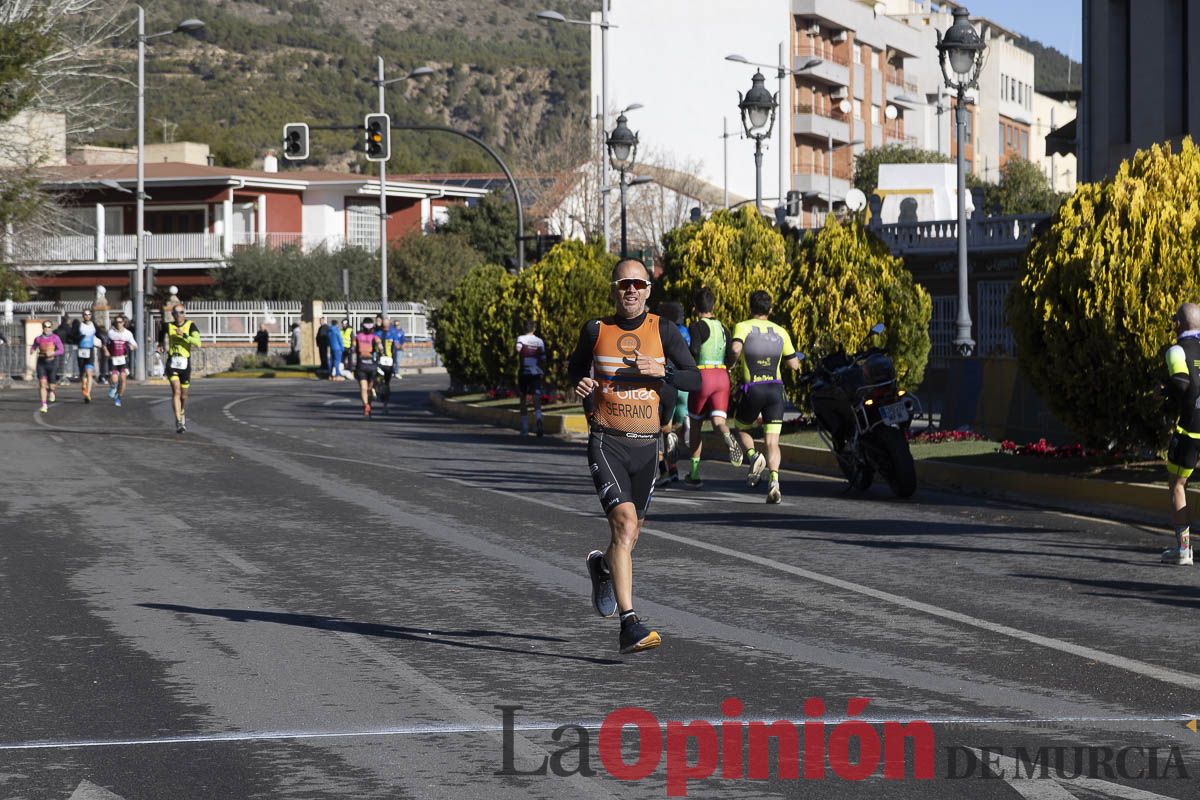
x,y
1163,674
160,401
86,790
236,560
1085,518
531,727
130,493
56,438
1051,788
335,402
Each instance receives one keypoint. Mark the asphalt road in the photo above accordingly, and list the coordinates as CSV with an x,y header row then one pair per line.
x,y
289,601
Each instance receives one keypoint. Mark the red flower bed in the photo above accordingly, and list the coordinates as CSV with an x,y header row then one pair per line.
x,y
937,437
1043,450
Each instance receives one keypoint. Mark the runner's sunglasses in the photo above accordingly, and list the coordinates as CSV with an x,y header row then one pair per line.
x,y
631,283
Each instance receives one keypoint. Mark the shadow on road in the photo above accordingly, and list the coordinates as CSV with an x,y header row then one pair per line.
x,y
1166,594
423,635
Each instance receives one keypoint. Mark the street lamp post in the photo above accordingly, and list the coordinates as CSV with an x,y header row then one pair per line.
x,y
622,146
782,72
382,85
139,276
758,115
554,16
960,53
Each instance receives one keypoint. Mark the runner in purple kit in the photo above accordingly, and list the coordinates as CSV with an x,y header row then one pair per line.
x,y
48,348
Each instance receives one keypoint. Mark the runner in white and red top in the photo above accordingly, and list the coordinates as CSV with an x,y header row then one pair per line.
x,y
48,348
531,355
119,345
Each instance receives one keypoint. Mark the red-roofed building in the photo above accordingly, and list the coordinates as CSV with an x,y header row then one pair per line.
x,y
197,216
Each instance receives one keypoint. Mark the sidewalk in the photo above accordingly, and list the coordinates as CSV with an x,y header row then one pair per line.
x,y
1135,502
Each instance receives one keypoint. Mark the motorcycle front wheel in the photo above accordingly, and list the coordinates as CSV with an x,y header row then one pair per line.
x,y
857,471
896,461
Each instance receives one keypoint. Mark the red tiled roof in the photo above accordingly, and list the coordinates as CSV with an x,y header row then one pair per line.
x,y
168,170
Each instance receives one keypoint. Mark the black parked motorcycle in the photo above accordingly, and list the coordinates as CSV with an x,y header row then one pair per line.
x,y
863,417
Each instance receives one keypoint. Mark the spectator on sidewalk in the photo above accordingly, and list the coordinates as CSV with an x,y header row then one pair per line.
x,y
335,351
294,342
323,344
347,334
262,339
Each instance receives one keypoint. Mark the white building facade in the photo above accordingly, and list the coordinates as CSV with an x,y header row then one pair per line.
x,y
878,83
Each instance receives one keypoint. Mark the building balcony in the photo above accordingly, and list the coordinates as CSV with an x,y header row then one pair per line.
x,y
833,70
163,250
810,123
819,183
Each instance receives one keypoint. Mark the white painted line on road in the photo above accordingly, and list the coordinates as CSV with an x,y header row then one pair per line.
x,y
1085,518
1019,778
130,493
159,401
1163,674
335,402
175,522
86,790
533,727
56,438
236,560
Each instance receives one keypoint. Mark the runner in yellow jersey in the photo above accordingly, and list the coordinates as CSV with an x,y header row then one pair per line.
x,y
180,337
762,347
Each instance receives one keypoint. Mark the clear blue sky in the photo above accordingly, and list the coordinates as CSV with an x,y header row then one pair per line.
x,y
1054,23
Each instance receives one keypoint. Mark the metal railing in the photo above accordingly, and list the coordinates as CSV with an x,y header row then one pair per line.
x,y
1011,233
160,247
827,53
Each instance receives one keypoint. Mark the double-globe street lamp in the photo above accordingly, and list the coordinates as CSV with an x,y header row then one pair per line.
x,y
622,146
139,277
782,73
382,83
961,49
758,116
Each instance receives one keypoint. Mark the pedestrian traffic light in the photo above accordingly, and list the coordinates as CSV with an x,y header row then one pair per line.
x,y
379,135
295,141
793,204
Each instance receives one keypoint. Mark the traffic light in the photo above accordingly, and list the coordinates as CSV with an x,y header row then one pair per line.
x,y
379,137
793,204
295,141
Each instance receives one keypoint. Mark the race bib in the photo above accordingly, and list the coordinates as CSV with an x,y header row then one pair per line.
x,y
85,352
385,361
179,362
118,361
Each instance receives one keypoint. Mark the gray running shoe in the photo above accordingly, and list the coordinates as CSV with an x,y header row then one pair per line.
x,y
636,637
773,494
735,449
603,598
756,469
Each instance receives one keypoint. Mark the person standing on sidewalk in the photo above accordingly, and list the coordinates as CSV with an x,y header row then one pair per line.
x,y
531,366
763,347
262,340
710,344
1183,388
49,349
323,345
336,348
618,368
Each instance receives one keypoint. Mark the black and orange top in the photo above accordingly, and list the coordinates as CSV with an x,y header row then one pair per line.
x,y
627,402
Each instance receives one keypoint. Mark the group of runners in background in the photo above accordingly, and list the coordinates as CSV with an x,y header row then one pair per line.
x,y
116,344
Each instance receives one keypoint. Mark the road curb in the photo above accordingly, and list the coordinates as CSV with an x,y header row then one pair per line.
x,y
553,424
1137,502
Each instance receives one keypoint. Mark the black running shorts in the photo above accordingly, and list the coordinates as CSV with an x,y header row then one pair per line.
x,y
1182,454
364,371
623,470
764,399
529,384
47,368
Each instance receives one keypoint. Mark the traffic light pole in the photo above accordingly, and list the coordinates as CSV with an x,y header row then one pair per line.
x,y
503,167
383,215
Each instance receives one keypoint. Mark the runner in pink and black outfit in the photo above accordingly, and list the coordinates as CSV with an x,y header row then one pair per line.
x,y
119,345
48,348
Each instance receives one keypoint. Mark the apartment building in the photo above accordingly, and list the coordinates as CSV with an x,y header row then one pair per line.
x,y
878,82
